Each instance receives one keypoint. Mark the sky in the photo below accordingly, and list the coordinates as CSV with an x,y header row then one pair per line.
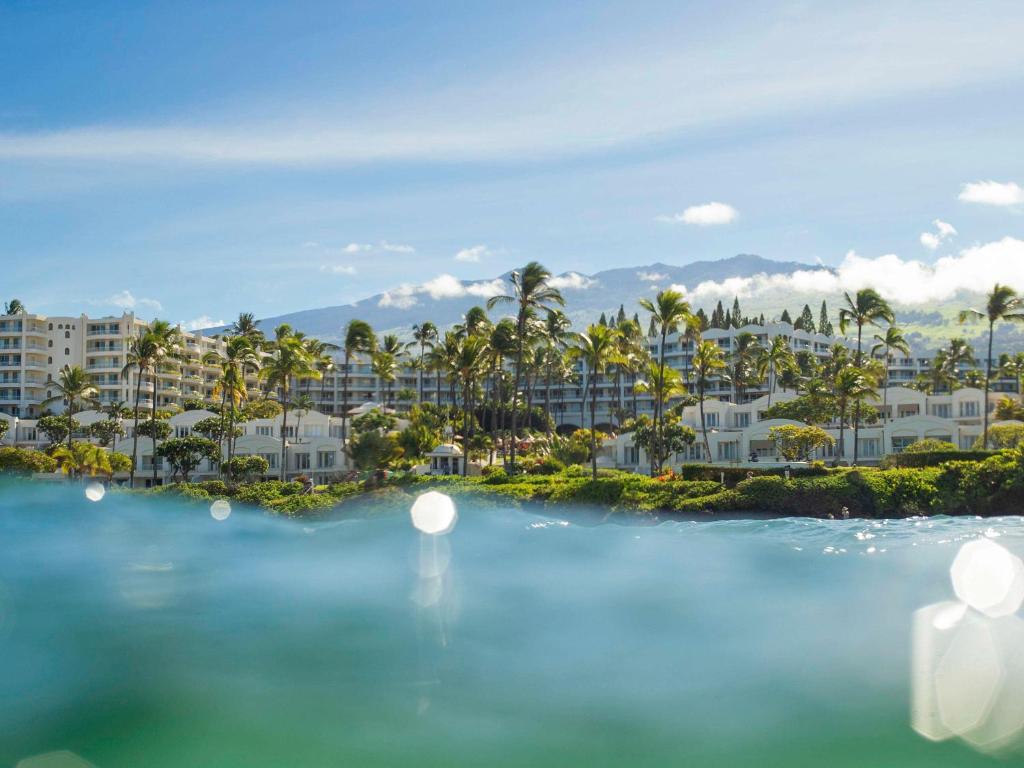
x,y
196,160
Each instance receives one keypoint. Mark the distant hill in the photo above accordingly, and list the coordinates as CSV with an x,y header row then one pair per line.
x,y
446,299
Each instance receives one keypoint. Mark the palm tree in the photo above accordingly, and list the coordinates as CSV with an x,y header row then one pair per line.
x,y
238,359
530,293
301,405
852,385
597,348
957,355
708,362
359,339
773,360
80,459
1003,304
744,363
555,335
289,360
141,357
167,340
867,308
502,345
1013,368
385,368
669,311
468,363
247,327
14,307
892,340
75,388
424,335
661,391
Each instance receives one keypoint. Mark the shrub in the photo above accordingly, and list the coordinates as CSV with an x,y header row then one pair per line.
x,y
214,487
932,458
246,466
494,475
930,445
1003,436
25,461
548,465
798,443
299,504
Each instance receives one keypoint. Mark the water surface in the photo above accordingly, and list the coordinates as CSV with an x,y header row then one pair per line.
x,y
143,632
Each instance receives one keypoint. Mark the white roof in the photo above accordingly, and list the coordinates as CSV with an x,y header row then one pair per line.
x,y
446,449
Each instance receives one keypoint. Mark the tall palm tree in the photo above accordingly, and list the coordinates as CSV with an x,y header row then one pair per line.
x,y
852,386
247,327
467,365
661,391
502,346
385,368
597,348
359,340
555,336
424,335
141,357
1013,368
238,359
14,307
866,308
75,388
1002,304
531,293
288,361
669,311
708,363
167,340
773,360
892,340
743,362
957,355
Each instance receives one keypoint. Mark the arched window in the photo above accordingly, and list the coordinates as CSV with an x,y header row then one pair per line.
x,y
67,335
49,343
51,326
49,360
67,351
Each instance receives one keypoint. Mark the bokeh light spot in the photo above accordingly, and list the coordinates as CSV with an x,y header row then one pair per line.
x,y
220,510
988,578
434,513
95,491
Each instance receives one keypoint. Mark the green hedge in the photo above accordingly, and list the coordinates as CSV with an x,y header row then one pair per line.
x,y
933,458
734,475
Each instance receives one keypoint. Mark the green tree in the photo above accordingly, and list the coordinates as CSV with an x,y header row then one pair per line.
x,y
184,454
14,307
867,307
289,360
597,348
531,293
246,467
141,358
167,343
78,459
676,438
58,429
1002,304
423,336
75,389
892,340
708,363
798,443
25,461
773,360
106,431
359,340
852,387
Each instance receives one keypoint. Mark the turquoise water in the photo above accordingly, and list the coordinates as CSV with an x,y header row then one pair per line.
x,y
142,632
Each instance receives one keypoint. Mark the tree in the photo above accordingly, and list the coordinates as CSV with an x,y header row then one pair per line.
x,y
1007,409
1001,437
288,361
118,462
166,340
531,293
669,311
929,445
676,438
372,450
824,324
75,388
246,467
743,363
866,308
662,391
14,307
806,320
106,431
214,428
58,429
798,443
597,348
4,426
1013,368
892,340
816,405
79,459
1003,304
184,454
852,386
423,335
773,360
468,363
141,357
247,327
359,340
708,363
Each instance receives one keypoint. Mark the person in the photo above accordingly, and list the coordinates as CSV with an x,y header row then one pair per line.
x,y
307,485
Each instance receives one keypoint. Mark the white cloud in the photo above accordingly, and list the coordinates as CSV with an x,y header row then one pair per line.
x,y
473,253
311,244
127,300
706,215
901,281
338,269
992,193
652,277
443,286
944,231
572,281
396,247
383,245
203,321
357,247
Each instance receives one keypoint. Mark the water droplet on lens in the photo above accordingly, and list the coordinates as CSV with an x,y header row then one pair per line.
x,y
433,513
220,510
988,578
95,491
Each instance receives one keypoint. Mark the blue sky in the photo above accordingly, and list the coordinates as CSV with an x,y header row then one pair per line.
x,y
194,160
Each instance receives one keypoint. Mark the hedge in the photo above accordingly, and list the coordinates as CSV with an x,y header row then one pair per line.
x,y
734,474
933,458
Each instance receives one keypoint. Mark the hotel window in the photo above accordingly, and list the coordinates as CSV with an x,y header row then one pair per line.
x,y
325,459
302,461
742,420
969,408
711,419
313,430
265,431
868,447
289,431
900,444
271,459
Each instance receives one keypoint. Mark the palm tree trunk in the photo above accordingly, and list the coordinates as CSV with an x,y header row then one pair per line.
x,y
856,406
154,425
135,433
988,377
593,426
284,432
520,344
344,401
703,425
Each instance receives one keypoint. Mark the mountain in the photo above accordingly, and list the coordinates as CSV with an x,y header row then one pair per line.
x,y
763,285
445,300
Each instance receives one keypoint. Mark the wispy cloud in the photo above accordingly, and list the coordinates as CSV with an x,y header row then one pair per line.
x,y
473,253
203,321
706,215
572,281
902,281
338,269
993,193
943,231
652,277
443,286
383,245
127,300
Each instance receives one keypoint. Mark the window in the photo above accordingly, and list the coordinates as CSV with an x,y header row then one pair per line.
x,y
969,408
182,431
51,326
271,459
325,459
728,451
900,444
869,447
265,431
711,419
302,461
67,351
313,430
49,343
942,410
67,335
289,431
742,420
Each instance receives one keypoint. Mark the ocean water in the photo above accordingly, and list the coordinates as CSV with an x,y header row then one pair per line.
x,y
146,632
